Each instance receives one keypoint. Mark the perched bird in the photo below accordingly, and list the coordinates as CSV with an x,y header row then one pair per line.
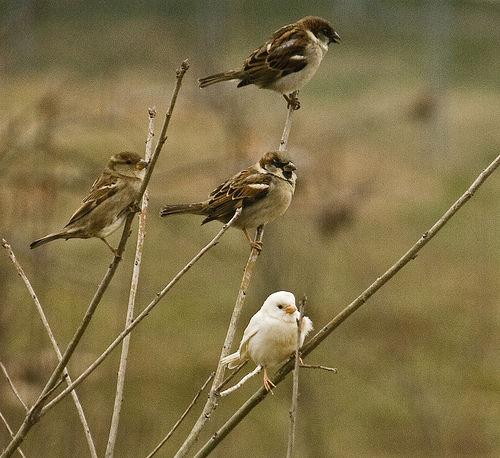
x,y
264,191
271,335
109,201
287,61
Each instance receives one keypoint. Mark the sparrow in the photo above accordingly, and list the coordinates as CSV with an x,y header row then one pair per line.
x,y
264,191
109,201
271,335
287,61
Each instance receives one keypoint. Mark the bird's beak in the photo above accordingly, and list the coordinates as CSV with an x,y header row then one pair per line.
x,y
141,165
335,38
290,167
291,309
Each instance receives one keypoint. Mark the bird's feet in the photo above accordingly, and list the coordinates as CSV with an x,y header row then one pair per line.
x,y
268,383
292,100
113,250
256,245
253,244
135,207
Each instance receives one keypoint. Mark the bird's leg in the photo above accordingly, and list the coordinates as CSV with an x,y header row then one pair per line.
x,y
292,100
135,207
253,244
108,245
268,382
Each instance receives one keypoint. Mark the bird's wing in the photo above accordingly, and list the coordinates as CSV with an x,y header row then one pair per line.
x,y
244,188
251,330
103,188
284,53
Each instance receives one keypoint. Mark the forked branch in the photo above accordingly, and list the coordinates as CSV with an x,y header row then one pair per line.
x,y
284,370
35,412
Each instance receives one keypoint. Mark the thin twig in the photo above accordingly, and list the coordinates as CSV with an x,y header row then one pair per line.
x,y
139,317
141,233
259,395
55,346
211,403
241,382
295,391
12,386
231,376
319,366
181,418
34,413
288,125
5,422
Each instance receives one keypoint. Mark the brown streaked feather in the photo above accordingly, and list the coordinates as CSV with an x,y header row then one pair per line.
x,y
238,191
266,66
103,188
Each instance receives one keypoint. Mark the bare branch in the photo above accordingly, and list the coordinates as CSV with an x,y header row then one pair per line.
x,y
181,418
55,346
120,383
231,376
241,382
140,317
12,386
211,403
318,366
34,413
295,391
284,370
288,125
11,432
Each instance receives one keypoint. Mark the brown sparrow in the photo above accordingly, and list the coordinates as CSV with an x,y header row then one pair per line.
x,y
109,201
264,191
271,335
287,61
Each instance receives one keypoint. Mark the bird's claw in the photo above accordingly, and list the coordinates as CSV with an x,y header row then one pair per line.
x,y
268,385
134,207
292,101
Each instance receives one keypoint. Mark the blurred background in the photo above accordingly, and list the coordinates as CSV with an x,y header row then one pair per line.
x,y
397,123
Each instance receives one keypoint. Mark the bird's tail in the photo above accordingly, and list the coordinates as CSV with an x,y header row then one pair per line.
x,y
48,238
192,209
218,77
232,361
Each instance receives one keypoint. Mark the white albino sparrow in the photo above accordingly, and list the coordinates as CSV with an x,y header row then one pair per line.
x,y
287,61
271,336
109,201
264,191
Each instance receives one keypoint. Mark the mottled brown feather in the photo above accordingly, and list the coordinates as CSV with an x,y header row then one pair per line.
x,y
235,192
104,187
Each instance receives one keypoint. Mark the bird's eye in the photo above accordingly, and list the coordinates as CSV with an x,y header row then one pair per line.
x,y
129,162
280,307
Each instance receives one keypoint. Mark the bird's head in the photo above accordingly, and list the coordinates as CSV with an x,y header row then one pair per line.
x,y
281,305
129,164
276,163
321,29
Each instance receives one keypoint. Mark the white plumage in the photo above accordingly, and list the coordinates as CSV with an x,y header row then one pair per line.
x,y
271,334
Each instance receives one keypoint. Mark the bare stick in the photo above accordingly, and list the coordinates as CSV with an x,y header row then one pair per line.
x,y
179,421
10,432
231,376
211,403
318,366
55,346
120,383
288,125
258,396
9,380
34,413
295,391
241,382
139,317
